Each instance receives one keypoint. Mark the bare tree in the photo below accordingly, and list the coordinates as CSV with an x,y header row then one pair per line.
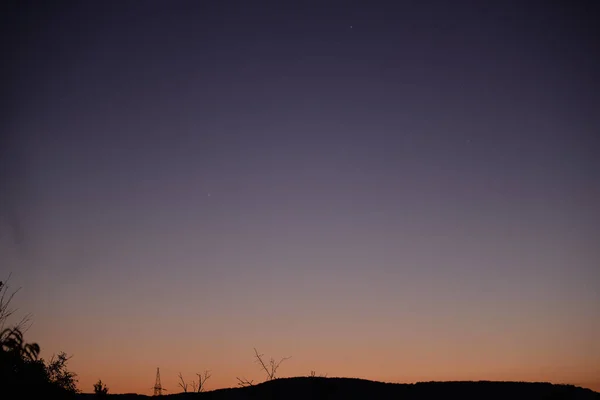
x,y
196,386
243,382
202,378
182,383
271,369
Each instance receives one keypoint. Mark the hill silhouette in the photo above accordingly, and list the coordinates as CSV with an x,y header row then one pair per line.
x,y
349,388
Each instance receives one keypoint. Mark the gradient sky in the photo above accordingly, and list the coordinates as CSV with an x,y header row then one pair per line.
x,y
399,191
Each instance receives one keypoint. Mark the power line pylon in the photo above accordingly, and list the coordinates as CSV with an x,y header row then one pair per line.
x,y
157,386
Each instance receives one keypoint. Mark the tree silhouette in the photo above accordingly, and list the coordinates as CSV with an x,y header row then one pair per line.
x,y
273,366
197,387
202,378
270,368
59,375
182,383
243,382
100,388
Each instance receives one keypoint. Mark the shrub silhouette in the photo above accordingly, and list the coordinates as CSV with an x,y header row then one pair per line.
x,y
22,373
59,375
100,388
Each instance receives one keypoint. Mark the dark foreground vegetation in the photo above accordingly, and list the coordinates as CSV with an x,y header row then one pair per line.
x,y
23,373
344,389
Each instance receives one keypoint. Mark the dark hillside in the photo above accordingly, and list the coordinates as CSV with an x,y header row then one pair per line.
x,y
345,388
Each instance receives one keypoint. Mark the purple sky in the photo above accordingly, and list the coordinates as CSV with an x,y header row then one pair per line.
x,y
393,177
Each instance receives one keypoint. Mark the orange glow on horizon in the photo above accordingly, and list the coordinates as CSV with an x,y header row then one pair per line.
x,y
130,367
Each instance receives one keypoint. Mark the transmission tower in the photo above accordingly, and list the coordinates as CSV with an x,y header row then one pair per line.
x,y
157,386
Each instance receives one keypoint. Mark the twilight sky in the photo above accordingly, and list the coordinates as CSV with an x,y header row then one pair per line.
x,y
397,191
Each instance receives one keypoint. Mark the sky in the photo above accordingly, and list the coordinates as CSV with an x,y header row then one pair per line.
x,y
399,191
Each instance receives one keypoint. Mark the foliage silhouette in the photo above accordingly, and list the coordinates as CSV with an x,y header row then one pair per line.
x,y
11,340
59,375
100,388
22,373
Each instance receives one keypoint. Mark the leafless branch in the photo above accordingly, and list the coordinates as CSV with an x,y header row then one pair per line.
x,y
271,370
25,323
6,312
260,361
197,387
182,383
5,300
244,382
202,378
